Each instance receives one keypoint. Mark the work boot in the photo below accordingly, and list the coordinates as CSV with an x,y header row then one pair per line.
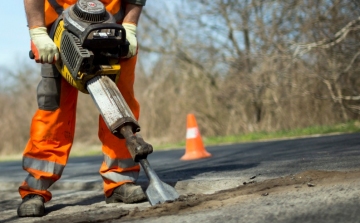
x,y
32,205
128,193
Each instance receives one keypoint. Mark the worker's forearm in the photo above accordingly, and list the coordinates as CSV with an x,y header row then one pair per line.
x,y
34,10
132,13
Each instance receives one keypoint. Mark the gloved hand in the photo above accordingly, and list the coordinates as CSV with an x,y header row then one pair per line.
x,y
130,29
42,46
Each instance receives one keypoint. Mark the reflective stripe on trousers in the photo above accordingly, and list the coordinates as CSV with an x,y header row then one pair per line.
x,y
49,167
43,165
57,169
130,176
38,184
121,163
118,169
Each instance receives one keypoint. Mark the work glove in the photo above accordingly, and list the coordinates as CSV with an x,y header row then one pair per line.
x,y
130,29
42,46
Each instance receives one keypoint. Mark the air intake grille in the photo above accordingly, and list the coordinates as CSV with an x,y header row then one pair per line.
x,y
73,55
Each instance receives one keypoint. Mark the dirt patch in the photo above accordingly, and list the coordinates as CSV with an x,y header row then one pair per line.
x,y
198,202
256,194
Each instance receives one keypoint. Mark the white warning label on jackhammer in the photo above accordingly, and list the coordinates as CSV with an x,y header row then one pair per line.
x,y
192,133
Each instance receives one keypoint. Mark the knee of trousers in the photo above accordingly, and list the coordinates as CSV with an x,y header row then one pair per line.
x,y
49,88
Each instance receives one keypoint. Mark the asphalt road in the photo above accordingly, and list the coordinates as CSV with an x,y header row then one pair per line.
x,y
229,166
269,159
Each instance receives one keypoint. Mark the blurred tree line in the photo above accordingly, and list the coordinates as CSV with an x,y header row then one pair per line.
x,y
239,65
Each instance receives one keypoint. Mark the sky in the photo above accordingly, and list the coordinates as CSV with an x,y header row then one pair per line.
x,y
15,40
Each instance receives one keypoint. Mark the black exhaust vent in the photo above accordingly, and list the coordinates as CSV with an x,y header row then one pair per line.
x,y
73,55
90,11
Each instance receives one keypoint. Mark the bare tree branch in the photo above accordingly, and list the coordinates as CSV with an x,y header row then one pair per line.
x,y
327,43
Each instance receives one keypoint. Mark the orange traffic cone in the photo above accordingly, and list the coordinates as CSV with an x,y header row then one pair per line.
x,y
194,146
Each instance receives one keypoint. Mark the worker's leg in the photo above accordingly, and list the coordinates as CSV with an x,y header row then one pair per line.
x,y
118,166
51,134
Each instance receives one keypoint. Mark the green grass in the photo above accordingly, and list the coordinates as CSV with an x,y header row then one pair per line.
x,y
349,127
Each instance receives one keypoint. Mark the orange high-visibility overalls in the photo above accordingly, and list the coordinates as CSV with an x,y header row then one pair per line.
x,y
53,125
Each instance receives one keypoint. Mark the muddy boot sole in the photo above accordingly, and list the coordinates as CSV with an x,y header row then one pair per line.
x,y
31,206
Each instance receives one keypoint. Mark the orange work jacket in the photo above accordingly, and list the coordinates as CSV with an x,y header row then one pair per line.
x,y
54,8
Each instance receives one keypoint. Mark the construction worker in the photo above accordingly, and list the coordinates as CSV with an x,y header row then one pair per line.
x,y
52,126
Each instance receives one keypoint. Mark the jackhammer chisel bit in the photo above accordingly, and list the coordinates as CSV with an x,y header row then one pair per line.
x,y
157,191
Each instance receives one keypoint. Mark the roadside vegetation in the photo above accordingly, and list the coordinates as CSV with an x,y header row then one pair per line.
x,y
349,127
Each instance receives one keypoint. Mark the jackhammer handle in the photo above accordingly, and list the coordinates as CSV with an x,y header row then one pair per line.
x,y
31,55
84,35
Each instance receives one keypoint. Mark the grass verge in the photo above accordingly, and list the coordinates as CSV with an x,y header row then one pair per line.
x,y
349,127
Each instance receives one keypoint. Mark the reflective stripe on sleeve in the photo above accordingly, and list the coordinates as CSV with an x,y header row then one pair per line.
x,y
43,165
122,163
58,8
38,184
120,177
